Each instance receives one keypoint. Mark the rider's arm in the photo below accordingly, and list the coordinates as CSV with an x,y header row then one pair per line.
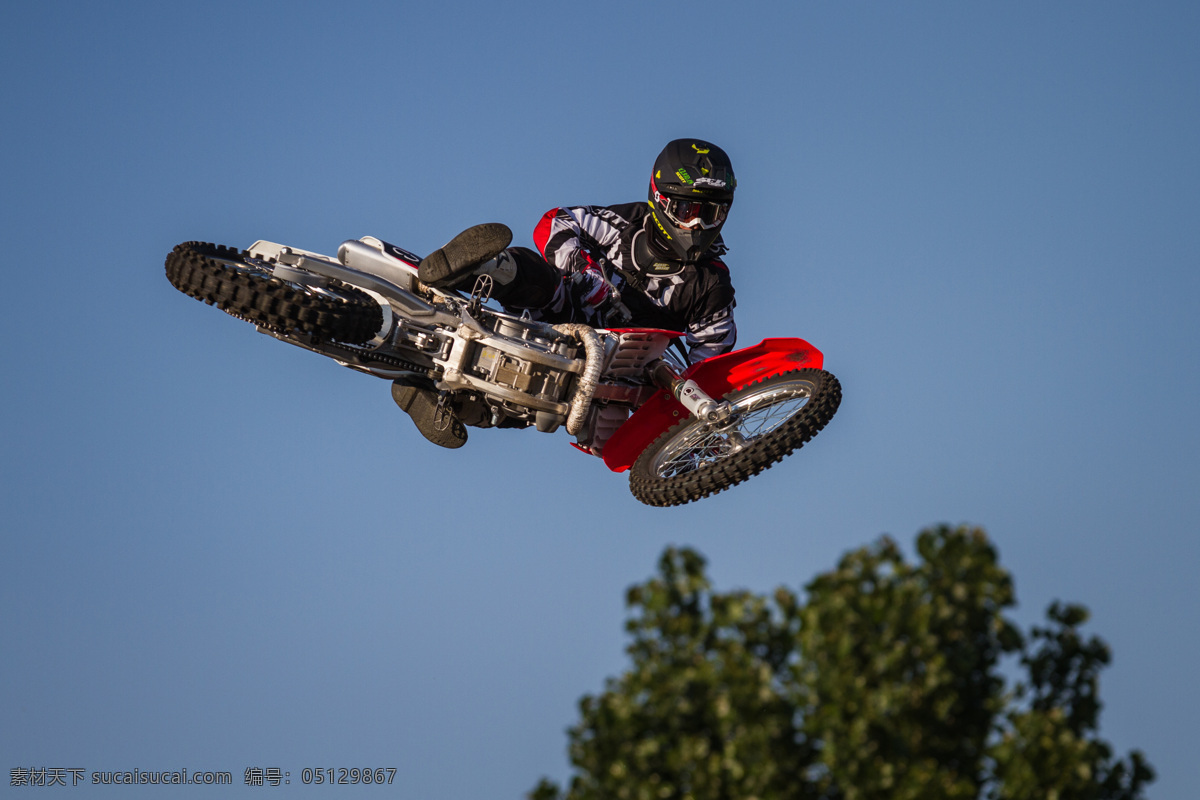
x,y
561,236
711,329
561,233
712,336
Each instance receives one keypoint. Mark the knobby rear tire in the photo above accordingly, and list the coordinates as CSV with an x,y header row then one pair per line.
x,y
688,462
242,286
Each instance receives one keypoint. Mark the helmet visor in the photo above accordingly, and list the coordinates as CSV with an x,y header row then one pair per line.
x,y
687,213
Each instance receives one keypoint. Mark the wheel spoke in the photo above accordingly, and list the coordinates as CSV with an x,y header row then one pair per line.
x,y
756,415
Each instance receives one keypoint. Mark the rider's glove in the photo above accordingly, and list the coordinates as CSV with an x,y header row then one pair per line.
x,y
591,290
588,288
613,311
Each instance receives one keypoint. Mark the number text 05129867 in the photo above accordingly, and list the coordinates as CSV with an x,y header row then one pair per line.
x,y
348,775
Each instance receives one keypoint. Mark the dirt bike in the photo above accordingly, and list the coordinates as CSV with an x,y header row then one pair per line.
x,y
626,394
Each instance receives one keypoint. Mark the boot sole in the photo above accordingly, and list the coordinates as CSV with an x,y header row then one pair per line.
x,y
421,406
464,252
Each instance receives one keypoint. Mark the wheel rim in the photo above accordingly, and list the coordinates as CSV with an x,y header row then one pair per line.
x,y
757,413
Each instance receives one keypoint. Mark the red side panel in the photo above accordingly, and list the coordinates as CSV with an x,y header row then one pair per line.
x,y
717,376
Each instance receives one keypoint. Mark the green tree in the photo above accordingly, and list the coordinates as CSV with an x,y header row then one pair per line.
x,y
883,683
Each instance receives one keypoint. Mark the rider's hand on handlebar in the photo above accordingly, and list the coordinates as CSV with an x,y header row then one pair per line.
x,y
613,311
590,289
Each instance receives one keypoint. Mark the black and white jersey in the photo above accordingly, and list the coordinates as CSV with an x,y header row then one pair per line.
x,y
694,298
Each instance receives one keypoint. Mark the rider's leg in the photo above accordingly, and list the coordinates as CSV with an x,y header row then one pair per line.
x,y
522,278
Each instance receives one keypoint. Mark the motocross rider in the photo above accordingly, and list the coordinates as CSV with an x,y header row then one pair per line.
x,y
655,264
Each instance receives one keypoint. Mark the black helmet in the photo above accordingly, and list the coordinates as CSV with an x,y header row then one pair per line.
x,y
691,190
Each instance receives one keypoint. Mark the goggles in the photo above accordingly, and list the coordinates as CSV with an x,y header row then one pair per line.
x,y
692,213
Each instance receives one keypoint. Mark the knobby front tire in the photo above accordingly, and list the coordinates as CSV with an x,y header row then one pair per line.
x,y
773,417
243,286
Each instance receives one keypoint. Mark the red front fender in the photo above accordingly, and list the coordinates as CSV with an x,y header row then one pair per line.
x,y
717,376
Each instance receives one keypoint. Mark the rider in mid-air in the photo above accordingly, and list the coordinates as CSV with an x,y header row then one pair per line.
x,y
655,265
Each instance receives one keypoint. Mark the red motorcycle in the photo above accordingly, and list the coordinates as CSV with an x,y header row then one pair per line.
x,y
627,395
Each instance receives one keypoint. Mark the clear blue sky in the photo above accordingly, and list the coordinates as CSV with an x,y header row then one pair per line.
x,y
221,552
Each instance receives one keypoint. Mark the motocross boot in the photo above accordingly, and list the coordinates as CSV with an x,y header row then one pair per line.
x,y
457,259
438,425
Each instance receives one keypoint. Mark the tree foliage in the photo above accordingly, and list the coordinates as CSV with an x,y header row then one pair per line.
x,y
883,682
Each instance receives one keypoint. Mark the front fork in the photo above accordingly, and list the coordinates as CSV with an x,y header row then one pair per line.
x,y
690,395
